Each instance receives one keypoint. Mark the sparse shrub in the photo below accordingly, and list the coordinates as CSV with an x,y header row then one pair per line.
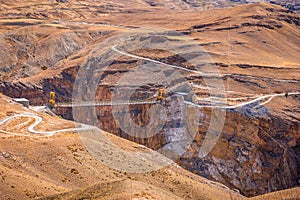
x,y
74,171
44,67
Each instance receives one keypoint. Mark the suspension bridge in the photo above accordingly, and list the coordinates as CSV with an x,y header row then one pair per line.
x,y
52,101
94,103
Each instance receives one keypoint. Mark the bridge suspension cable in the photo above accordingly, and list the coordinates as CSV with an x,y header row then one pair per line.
x,y
111,103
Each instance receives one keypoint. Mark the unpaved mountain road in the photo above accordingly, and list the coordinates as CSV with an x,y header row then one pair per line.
x,y
38,120
267,98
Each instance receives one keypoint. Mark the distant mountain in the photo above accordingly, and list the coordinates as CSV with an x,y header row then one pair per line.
x,y
293,5
205,4
97,6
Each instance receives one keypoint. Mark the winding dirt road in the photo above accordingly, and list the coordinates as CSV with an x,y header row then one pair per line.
x,y
268,97
38,120
204,74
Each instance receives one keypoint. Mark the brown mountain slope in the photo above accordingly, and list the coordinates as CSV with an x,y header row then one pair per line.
x,y
72,9
254,35
255,48
285,194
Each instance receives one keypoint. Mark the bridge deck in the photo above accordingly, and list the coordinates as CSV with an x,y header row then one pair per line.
x,y
87,104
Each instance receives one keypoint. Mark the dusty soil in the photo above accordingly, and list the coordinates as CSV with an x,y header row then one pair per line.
x,y
255,48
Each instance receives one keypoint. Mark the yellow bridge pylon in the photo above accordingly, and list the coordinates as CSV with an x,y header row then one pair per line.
x,y
52,99
161,94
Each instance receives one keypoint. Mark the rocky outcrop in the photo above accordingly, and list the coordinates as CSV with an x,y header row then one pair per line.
x,y
38,94
254,155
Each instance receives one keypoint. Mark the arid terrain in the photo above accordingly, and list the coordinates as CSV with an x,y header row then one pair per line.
x,y
237,66
60,167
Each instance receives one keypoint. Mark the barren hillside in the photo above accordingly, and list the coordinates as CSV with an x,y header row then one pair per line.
x,y
242,61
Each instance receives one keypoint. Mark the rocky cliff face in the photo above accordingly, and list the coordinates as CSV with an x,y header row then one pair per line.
x,y
254,155
38,94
